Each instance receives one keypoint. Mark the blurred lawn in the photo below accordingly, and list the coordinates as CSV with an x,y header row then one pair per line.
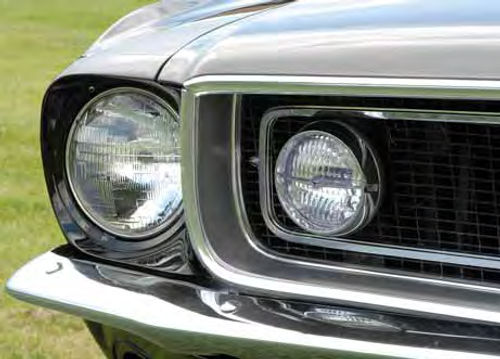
x,y
38,38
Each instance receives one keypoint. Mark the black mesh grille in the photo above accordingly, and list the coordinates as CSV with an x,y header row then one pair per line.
x,y
442,179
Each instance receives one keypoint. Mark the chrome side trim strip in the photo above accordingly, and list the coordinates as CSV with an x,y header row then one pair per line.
x,y
352,86
201,321
345,285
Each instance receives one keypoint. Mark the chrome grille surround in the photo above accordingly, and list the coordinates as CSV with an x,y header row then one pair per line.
x,y
270,225
220,234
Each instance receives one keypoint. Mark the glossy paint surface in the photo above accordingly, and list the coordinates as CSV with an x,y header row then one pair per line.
x,y
140,43
383,38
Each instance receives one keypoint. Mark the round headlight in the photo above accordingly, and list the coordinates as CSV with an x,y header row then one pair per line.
x,y
320,183
123,162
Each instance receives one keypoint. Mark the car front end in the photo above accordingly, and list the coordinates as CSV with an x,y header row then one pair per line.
x,y
253,179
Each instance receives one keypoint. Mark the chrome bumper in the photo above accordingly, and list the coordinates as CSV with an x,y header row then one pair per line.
x,y
191,319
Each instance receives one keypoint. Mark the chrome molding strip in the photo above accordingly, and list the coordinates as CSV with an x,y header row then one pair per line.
x,y
352,86
201,321
406,299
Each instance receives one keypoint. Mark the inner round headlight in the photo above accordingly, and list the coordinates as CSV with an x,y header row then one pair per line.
x,y
123,162
321,184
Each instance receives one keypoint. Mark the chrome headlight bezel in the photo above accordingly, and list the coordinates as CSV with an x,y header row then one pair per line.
x,y
175,216
287,159
365,154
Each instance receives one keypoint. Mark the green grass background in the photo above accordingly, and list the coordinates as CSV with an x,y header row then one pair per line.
x,y
38,39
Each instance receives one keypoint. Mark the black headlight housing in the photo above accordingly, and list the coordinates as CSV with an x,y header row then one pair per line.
x,y
64,100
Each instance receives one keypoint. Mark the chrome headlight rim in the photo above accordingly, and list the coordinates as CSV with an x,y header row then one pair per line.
x,y
63,101
286,200
371,165
340,127
174,221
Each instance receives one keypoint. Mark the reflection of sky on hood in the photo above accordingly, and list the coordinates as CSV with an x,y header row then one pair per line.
x,y
192,10
366,14
353,38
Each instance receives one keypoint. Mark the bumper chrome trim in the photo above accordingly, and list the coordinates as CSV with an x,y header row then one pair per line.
x,y
187,318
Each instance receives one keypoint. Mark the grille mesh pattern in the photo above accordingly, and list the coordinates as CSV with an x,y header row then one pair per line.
x,y
443,180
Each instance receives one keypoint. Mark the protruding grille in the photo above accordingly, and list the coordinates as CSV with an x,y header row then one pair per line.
x,y
441,192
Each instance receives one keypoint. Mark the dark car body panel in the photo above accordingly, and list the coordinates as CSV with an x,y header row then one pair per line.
x,y
409,38
139,45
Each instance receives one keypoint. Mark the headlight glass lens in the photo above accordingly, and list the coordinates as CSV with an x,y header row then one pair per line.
x,y
123,162
320,183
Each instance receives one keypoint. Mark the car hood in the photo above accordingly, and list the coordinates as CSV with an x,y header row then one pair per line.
x,y
368,38
140,43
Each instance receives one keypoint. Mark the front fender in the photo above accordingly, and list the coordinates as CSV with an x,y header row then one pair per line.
x,y
141,42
